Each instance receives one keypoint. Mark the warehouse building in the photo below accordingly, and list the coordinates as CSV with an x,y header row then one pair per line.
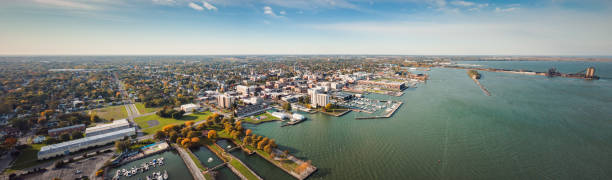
x,y
68,147
106,128
68,129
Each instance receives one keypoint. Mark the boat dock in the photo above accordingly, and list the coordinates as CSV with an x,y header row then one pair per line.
x,y
388,115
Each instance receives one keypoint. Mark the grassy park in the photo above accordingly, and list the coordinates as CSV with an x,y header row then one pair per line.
x,y
143,110
152,123
27,158
112,112
265,117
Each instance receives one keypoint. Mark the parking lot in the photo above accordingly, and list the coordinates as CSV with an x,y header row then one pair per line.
x,y
86,167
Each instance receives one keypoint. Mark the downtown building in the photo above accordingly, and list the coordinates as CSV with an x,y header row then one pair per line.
x,y
225,101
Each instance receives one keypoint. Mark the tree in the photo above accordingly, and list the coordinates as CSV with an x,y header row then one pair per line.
x,y
246,140
248,132
238,124
77,135
186,142
192,134
100,172
189,123
328,107
212,134
272,143
167,128
262,143
159,135
302,167
92,117
267,148
195,141
65,137
173,136
122,145
287,107
201,126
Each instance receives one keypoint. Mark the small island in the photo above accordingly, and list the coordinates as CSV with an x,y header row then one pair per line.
x,y
473,74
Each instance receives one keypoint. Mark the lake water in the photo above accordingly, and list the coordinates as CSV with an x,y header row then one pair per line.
x,y
224,173
532,127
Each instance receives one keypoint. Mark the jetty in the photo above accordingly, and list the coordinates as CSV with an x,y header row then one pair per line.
x,y
475,76
481,87
587,74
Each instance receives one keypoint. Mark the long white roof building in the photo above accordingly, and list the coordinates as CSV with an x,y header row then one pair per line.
x,y
67,147
106,128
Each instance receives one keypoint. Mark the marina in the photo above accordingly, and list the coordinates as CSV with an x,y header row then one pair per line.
x,y
166,165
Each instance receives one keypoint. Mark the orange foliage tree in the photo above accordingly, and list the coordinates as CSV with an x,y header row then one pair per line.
x,y
212,134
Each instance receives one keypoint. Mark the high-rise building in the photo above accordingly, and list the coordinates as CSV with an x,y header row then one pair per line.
x,y
225,101
242,89
321,100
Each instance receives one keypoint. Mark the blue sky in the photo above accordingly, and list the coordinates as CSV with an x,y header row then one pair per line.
x,y
406,27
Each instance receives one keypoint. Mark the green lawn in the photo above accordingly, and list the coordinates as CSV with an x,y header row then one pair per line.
x,y
143,110
266,117
286,164
114,112
142,121
242,169
28,157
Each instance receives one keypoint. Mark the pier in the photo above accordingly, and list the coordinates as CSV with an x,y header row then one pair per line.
x,y
193,168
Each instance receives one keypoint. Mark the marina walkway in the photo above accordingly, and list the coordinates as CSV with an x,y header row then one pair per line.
x,y
193,168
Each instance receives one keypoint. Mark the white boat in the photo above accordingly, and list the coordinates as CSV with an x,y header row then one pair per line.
x,y
210,159
165,174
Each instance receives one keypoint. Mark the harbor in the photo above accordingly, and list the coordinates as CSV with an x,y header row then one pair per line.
x,y
166,165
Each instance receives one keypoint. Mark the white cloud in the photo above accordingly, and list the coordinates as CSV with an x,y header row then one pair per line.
x,y
195,6
67,4
268,10
282,12
462,3
313,4
503,10
209,6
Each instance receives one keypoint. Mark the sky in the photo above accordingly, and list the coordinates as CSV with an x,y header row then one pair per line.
x,y
239,27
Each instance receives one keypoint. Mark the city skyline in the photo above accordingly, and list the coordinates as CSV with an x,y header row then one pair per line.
x,y
432,27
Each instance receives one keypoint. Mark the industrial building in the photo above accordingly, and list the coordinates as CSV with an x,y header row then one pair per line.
x,y
68,129
106,128
68,147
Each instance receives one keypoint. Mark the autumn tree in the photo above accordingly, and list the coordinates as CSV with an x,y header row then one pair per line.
x,y
159,135
189,123
186,142
287,107
302,167
267,148
193,134
212,134
248,132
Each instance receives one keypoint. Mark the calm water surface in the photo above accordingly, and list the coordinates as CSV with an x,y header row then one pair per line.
x,y
532,127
